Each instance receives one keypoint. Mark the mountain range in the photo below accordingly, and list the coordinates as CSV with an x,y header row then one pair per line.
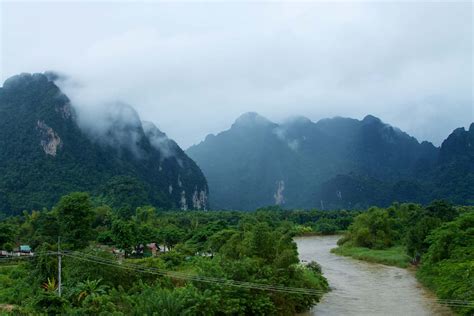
x,y
332,163
44,154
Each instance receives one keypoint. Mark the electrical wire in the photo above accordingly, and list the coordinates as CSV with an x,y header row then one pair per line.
x,y
205,279
178,275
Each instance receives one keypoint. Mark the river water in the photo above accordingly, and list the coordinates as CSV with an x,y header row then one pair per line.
x,y
362,288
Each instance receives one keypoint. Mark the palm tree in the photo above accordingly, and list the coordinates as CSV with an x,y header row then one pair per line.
x,y
163,302
90,289
171,304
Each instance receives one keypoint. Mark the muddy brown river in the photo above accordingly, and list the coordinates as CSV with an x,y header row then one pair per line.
x,y
362,288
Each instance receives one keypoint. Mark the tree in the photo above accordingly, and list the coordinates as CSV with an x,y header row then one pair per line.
x,y
447,266
219,239
50,303
75,217
373,229
126,191
442,210
153,300
416,242
146,234
145,214
453,240
171,235
124,234
262,242
422,223
102,217
89,290
44,227
7,234
326,226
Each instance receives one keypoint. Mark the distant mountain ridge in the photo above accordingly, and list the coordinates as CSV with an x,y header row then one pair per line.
x,y
45,154
332,163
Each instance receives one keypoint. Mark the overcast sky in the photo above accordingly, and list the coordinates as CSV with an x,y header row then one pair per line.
x,y
192,68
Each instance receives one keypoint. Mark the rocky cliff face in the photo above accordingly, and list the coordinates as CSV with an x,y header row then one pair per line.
x,y
45,154
49,140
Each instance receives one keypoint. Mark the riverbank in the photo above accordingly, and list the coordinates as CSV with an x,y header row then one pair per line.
x,y
440,234
446,281
394,256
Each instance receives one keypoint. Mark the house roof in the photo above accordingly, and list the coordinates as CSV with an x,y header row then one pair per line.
x,y
25,248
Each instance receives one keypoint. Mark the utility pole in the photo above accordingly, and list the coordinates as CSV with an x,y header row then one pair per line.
x,y
59,266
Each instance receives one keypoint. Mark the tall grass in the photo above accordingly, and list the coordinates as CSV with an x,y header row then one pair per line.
x,y
394,256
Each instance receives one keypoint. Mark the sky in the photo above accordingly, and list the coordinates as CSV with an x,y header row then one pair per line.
x,y
193,67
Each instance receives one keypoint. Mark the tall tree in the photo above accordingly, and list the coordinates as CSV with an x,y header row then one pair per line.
x,y
75,216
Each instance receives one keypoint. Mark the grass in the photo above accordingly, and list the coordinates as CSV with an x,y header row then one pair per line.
x,y
5,269
394,256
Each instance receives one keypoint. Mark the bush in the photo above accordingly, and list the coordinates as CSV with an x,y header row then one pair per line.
x,y
314,266
326,226
373,229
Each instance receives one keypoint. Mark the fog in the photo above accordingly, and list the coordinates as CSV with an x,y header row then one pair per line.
x,y
192,68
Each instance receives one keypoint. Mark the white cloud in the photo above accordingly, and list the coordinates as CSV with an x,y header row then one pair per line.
x,y
192,68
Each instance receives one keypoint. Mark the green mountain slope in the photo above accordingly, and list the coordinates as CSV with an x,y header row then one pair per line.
x,y
333,163
44,154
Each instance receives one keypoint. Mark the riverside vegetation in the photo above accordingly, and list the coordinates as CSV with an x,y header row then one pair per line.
x,y
255,247
439,239
205,254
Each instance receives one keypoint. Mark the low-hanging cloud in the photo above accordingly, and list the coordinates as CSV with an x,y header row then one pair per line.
x,y
193,68
160,141
113,123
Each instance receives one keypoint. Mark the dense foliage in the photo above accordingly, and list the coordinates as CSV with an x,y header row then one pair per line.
x,y
45,154
333,163
202,249
439,238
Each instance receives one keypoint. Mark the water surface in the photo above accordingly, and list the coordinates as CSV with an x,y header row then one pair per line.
x,y
363,288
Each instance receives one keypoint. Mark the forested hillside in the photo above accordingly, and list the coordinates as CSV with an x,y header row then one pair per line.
x,y
333,163
45,154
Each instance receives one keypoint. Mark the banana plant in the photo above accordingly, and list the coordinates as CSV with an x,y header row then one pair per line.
x,y
51,285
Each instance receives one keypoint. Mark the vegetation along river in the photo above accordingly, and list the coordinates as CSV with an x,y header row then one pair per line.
x,y
363,288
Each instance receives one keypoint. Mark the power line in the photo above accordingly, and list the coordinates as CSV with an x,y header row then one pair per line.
x,y
59,266
218,281
172,274
178,275
249,285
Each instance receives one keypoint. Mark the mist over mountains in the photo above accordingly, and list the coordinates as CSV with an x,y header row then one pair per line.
x,y
48,149
332,163
45,153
